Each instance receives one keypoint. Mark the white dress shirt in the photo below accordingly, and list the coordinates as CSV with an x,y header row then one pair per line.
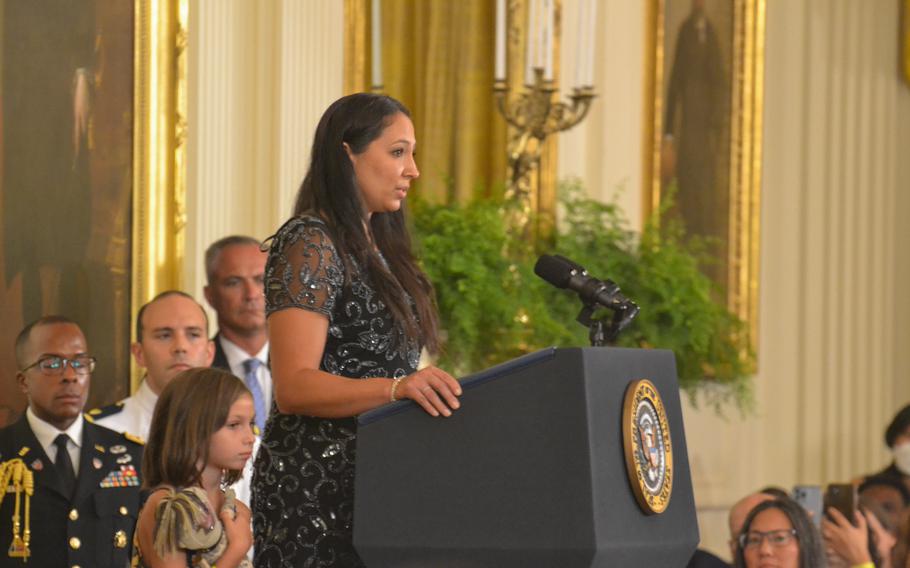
x,y
47,433
236,356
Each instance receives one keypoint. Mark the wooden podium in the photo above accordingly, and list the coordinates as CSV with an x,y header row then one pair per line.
x,y
531,471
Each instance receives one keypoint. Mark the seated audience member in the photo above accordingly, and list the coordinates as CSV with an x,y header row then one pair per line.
x,y
887,498
900,556
853,544
738,513
776,492
779,533
171,336
235,268
84,477
897,438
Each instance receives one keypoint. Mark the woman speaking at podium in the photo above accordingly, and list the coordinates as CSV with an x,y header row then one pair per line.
x,y
348,312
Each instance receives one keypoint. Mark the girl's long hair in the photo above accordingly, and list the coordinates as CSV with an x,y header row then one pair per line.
x,y
192,407
330,191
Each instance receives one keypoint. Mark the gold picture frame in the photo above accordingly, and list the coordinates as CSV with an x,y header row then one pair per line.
x,y
159,152
905,39
709,55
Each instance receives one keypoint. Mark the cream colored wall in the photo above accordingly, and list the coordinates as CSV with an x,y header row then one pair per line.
x,y
833,361
605,150
835,318
260,76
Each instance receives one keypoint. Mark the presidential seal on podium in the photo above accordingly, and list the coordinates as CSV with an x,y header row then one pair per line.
x,y
648,448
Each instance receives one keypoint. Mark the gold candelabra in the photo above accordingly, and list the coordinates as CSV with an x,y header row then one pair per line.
x,y
533,115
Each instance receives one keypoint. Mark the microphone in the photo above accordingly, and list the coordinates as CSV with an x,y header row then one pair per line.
x,y
564,273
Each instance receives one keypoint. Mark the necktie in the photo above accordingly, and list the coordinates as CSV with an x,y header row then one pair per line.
x,y
251,366
64,465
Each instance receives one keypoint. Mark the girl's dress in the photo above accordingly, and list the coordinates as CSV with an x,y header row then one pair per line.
x,y
185,521
303,479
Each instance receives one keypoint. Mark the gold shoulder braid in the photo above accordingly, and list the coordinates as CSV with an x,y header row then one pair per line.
x,y
133,438
15,475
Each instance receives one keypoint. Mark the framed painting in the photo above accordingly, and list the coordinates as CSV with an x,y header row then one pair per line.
x,y
905,39
705,121
89,180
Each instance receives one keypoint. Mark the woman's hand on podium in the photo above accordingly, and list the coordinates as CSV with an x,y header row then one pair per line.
x,y
432,388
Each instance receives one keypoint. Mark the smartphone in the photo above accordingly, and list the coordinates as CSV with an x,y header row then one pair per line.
x,y
842,496
810,497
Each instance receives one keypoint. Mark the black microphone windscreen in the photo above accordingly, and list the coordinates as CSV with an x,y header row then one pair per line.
x,y
555,270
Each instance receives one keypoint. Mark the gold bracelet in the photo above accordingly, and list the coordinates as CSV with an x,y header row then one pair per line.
x,y
395,384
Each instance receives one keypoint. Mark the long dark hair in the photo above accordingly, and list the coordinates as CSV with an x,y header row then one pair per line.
x,y
811,551
192,407
330,191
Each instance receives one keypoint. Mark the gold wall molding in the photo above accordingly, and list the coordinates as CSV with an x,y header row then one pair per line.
x,y
159,150
356,46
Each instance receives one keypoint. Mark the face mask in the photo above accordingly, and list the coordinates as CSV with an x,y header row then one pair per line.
x,y
902,457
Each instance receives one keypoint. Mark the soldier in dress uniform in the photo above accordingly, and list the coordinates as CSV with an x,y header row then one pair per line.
x,y
69,488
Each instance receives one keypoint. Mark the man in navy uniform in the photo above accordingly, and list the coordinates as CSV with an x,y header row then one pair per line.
x,y
171,337
86,478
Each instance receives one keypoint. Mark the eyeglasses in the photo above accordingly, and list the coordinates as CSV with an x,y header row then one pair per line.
x,y
56,365
778,538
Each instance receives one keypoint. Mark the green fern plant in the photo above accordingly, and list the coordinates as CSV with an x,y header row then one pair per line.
x,y
493,307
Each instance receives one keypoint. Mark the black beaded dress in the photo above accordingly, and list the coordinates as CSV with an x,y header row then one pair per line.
x,y
303,480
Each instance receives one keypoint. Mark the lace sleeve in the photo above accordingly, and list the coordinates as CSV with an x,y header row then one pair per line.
x,y
304,269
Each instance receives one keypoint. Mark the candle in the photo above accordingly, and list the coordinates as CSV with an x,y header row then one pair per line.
x,y
377,43
500,74
580,44
592,25
532,39
548,30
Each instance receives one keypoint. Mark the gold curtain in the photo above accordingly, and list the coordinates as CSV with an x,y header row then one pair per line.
x,y
438,61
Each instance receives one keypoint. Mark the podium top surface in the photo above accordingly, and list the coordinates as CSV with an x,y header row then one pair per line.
x,y
481,377
468,382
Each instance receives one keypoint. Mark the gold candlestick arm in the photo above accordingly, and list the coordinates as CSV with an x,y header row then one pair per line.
x,y
533,115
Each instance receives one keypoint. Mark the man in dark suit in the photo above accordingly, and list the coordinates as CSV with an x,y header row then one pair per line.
x,y
85,500
235,268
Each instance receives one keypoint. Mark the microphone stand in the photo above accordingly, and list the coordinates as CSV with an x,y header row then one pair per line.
x,y
624,311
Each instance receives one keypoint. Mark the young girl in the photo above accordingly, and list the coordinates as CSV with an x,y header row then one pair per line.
x,y
200,438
